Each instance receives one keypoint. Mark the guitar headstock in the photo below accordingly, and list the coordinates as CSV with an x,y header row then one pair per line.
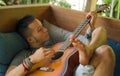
x,y
102,8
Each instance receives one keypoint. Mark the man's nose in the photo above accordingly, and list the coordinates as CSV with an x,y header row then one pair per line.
x,y
45,29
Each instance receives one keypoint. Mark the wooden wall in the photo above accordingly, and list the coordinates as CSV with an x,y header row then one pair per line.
x,y
10,15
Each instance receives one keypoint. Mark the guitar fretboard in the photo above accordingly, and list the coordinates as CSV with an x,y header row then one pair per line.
x,y
77,31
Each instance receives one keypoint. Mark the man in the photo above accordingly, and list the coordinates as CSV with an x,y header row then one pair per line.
x,y
95,53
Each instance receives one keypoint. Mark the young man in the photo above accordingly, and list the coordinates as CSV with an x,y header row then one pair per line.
x,y
95,53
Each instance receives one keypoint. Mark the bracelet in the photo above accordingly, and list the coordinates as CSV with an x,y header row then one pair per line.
x,y
25,68
28,63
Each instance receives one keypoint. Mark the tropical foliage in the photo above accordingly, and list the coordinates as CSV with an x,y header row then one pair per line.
x,y
2,3
114,8
62,3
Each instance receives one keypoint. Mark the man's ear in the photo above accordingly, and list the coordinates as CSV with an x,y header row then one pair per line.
x,y
30,39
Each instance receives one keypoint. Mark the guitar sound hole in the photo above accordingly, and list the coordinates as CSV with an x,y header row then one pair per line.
x,y
57,55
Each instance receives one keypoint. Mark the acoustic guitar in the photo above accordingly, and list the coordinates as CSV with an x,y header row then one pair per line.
x,y
66,58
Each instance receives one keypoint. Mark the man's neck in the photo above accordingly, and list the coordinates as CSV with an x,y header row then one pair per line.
x,y
36,46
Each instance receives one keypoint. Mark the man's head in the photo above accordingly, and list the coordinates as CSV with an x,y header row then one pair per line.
x,y
32,30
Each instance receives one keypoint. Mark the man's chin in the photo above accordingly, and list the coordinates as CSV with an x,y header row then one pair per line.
x,y
47,38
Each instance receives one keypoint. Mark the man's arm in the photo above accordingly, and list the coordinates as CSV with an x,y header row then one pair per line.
x,y
16,71
22,69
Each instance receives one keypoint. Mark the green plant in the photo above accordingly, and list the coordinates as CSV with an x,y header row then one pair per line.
x,y
61,3
2,3
115,8
54,2
64,4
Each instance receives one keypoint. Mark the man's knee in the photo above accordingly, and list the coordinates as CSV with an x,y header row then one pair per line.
x,y
106,53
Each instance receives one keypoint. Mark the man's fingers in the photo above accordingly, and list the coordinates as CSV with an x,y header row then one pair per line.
x,y
49,52
88,15
72,37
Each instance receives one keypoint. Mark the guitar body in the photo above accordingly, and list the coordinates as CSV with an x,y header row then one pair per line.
x,y
64,66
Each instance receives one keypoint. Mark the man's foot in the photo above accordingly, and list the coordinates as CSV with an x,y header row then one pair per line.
x,y
85,52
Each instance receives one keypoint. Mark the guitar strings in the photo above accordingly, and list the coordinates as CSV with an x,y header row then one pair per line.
x,y
67,43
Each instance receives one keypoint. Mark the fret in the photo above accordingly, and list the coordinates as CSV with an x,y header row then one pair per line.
x,y
80,27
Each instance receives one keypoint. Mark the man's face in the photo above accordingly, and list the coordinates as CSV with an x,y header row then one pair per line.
x,y
39,33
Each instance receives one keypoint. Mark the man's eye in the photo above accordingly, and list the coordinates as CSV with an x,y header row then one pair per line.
x,y
39,29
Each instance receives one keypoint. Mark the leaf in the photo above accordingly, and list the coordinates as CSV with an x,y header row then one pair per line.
x,y
107,1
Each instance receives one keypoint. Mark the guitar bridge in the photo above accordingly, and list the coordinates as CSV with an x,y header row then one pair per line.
x,y
46,69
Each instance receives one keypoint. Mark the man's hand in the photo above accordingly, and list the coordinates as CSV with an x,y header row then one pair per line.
x,y
42,53
93,15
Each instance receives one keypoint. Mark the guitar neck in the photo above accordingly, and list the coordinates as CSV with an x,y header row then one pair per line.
x,y
75,33
81,27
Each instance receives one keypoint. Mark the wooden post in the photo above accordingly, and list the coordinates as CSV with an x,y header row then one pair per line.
x,y
90,5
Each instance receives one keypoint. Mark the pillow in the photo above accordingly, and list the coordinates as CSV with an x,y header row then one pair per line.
x,y
10,45
116,47
57,34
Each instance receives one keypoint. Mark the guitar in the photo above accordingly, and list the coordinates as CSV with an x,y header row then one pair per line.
x,y
66,58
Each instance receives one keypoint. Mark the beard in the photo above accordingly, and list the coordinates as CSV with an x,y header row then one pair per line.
x,y
40,42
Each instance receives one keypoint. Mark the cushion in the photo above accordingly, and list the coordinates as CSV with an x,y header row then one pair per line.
x,y
116,47
10,45
57,34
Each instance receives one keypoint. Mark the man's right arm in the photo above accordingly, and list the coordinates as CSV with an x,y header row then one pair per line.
x,y
36,58
16,71
16,66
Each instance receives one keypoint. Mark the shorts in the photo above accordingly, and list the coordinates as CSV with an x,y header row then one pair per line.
x,y
87,70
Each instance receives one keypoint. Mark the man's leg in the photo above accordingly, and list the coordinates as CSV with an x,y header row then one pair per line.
x,y
99,37
101,63
100,56
104,61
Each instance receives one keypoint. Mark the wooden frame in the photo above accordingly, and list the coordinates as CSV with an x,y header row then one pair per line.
x,y
62,17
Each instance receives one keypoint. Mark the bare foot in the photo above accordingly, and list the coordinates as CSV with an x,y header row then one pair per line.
x,y
84,51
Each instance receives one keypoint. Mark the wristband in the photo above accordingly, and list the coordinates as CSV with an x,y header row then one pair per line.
x,y
25,68
28,63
